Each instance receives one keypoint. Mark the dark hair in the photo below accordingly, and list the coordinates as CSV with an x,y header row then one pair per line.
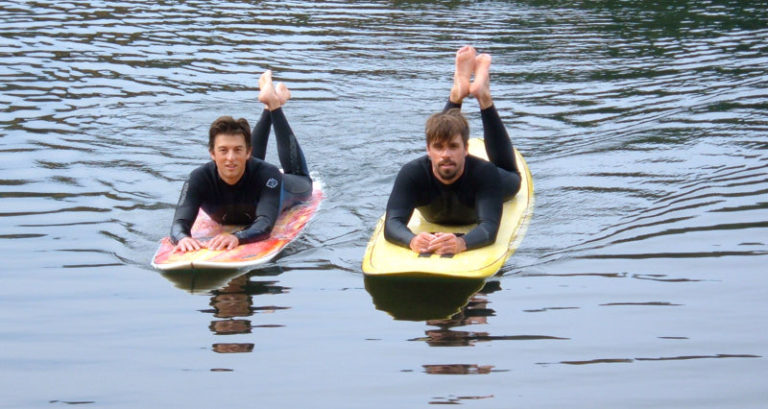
x,y
443,126
228,125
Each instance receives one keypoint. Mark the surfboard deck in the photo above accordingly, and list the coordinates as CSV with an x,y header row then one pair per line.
x,y
383,258
287,227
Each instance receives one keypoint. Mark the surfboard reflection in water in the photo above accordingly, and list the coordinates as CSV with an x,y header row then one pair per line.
x,y
421,298
231,300
198,281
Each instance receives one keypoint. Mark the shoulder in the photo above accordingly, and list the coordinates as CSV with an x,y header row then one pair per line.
x,y
415,170
481,170
259,173
203,172
416,165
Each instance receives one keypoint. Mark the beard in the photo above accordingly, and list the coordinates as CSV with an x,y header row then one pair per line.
x,y
449,173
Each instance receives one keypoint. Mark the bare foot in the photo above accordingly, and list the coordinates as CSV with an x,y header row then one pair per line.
x,y
481,86
283,93
267,93
465,62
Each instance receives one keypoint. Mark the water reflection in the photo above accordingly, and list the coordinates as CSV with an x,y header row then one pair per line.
x,y
421,298
458,369
201,281
234,302
663,358
456,400
476,312
232,294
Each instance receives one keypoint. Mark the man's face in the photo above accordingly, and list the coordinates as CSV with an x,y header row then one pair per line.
x,y
447,159
230,154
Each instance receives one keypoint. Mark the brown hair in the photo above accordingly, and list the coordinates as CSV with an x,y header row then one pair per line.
x,y
228,125
443,126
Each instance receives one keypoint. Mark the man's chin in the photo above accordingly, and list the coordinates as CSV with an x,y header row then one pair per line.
x,y
447,175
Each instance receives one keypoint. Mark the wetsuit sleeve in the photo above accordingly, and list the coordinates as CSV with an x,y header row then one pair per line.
x,y
489,206
267,209
400,208
186,210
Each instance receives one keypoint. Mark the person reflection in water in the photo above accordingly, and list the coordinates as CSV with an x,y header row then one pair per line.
x,y
476,312
448,185
232,303
238,186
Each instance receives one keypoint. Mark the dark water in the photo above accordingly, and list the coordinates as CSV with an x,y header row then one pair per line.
x,y
641,282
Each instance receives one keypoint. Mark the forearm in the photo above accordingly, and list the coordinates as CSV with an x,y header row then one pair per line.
x,y
259,230
489,210
482,235
179,230
185,214
397,232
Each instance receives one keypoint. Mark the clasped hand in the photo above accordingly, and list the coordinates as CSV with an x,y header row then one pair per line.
x,y
438,243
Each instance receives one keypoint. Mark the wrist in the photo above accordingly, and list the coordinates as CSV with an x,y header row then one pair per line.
x,y
461,244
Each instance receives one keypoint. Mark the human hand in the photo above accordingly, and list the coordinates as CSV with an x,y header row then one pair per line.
x,y
420,243
446,243
187,244
223,241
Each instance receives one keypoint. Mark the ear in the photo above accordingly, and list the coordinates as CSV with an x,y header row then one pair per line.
x,y
210,152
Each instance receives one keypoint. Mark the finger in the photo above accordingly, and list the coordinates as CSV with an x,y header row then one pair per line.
x,y
441,239
435,246
428,235
446,249
422,245
186,245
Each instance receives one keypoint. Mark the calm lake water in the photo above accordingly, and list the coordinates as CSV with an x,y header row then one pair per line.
x,y
641,282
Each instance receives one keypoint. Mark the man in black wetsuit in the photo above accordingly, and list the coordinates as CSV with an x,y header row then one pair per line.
x,y
238,186
448,185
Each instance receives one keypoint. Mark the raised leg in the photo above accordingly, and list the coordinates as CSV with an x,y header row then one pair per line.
x,y
260,135
498,145
288,149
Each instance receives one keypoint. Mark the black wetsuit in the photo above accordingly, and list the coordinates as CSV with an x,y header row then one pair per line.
x,y
257,199
476,197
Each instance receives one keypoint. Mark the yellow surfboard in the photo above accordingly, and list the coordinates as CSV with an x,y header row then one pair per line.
x,y
384,258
